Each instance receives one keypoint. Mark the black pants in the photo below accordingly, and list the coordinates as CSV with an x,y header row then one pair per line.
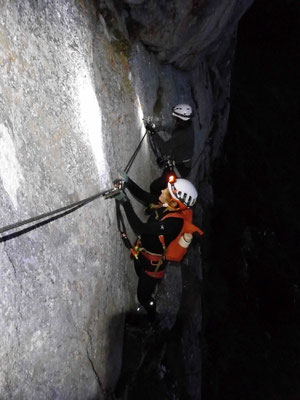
x,y
145,290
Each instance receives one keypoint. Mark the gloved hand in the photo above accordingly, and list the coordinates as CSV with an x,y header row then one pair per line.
x,y
118,183
151,128
170,164
121,182
161,162
165,162
121,197
150,125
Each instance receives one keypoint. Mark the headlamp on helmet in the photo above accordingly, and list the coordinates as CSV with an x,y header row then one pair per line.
x,y
172,179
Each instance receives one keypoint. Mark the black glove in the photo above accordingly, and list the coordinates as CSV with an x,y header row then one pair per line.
x,y
151,127
170,164
165,162
161,162
120,183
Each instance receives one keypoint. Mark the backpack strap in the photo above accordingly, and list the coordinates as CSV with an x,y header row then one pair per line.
x,y
174,251
187,216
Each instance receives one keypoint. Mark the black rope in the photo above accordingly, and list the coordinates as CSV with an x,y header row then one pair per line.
x,y
73,206
37,225
119,216
121,226
57,211
156,151
130,162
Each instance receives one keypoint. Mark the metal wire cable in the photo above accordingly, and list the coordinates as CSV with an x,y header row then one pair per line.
x,y
130,162
77,204
57,211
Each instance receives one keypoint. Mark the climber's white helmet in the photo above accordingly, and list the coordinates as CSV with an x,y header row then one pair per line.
x,y
183,111
183,192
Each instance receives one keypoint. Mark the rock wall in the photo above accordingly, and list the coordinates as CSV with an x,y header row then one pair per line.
x,y
75,83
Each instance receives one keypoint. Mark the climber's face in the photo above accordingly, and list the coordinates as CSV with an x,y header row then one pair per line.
x,y
165,196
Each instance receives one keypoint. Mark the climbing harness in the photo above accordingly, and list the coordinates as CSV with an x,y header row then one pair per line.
x,y
176,249
155,259
107,193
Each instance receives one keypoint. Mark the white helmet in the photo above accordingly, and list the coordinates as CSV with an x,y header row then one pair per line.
x,y
183,192
183,111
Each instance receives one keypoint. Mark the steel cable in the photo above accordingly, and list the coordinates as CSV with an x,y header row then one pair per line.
x,y
77,204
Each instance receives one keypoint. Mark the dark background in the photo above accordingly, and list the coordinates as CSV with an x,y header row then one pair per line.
x,y
251,337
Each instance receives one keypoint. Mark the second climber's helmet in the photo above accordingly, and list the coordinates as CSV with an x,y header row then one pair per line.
x,y
183,192
183,111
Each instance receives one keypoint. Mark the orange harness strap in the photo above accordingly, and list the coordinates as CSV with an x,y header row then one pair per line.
x,y
155,259
158,275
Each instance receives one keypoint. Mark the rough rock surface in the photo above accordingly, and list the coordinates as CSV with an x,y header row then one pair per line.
x,y
183,33
74,86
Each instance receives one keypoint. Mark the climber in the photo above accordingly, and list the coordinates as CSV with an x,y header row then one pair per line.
x,y
155,237
178,150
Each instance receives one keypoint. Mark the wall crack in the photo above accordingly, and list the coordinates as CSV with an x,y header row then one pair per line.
x,y
90,343
12,263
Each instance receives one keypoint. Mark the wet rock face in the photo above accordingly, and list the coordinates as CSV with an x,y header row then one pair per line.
x,y
75,83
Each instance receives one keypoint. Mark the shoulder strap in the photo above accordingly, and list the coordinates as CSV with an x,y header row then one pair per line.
x,y
187,216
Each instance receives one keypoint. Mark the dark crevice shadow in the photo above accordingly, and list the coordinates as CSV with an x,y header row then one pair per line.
x,y
115,354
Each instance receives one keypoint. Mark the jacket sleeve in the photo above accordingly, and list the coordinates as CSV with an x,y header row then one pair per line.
x,y
180,146
160,144
150,228
141,195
